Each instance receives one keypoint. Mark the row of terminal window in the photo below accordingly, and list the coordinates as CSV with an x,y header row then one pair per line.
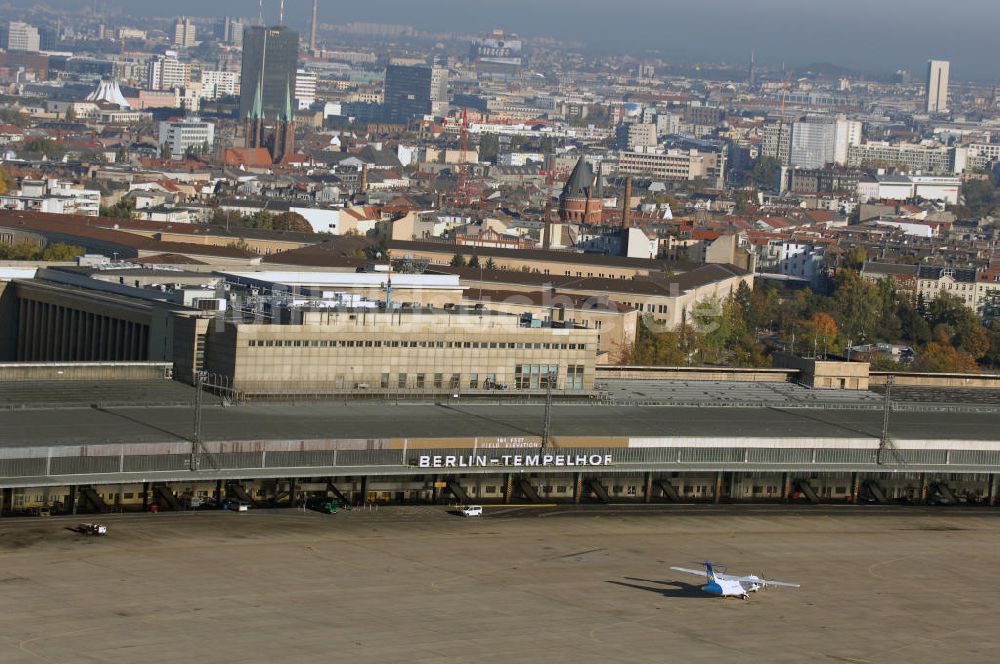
x,y
649,308
600,275
526,377
370,343
544,376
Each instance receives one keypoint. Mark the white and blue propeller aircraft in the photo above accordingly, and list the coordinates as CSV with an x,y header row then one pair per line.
x,y
730,585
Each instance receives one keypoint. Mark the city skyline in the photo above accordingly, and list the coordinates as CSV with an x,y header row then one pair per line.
x,y
873,37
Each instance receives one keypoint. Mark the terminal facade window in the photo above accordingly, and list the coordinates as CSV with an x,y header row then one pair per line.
x,y
367,343
535,376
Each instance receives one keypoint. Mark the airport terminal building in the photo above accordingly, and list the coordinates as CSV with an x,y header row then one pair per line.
x,y
76,442
285,334
342,385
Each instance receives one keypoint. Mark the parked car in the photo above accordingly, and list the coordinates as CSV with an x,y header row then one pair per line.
x,y
324,505
472,510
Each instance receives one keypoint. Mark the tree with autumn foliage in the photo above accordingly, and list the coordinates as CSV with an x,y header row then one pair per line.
x,y
939,357
292,221
825,330
7,182
654,347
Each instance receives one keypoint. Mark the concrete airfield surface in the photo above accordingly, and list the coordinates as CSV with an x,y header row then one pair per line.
x,y
419,584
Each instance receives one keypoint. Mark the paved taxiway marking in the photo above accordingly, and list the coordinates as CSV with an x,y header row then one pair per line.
x,y
873,566
22,645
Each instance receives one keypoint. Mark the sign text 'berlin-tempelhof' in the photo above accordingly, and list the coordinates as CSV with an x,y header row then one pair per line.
x,y
514,460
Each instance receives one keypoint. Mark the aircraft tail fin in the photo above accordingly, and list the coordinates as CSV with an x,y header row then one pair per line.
x,y
710,570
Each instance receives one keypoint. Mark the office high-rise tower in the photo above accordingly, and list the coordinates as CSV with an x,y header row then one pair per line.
x,y
230,31
267,82
184,33
312,26
413,91
22,37
267,89
407,92
937,86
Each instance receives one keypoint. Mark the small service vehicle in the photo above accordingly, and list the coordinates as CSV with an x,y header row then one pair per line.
x,y
93,529
472,510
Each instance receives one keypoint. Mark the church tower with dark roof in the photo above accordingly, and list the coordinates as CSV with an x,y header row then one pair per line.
x,y
582,199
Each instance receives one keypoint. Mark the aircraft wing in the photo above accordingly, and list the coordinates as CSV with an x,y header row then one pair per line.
x,y
783,584
697,572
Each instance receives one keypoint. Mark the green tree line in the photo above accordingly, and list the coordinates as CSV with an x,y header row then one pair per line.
x,y
26,251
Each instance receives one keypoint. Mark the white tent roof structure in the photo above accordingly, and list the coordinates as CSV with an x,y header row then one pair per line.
x,y
110,92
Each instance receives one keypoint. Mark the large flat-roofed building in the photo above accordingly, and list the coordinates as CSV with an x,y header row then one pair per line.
x,y
189,134
289,333
673,164
614,323
452,350
667,301
908,156
82,315
414,289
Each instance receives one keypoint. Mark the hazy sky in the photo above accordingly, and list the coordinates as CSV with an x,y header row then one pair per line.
x,y
876,35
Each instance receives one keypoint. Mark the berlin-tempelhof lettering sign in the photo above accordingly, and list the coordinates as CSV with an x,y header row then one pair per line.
x,y
514,460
